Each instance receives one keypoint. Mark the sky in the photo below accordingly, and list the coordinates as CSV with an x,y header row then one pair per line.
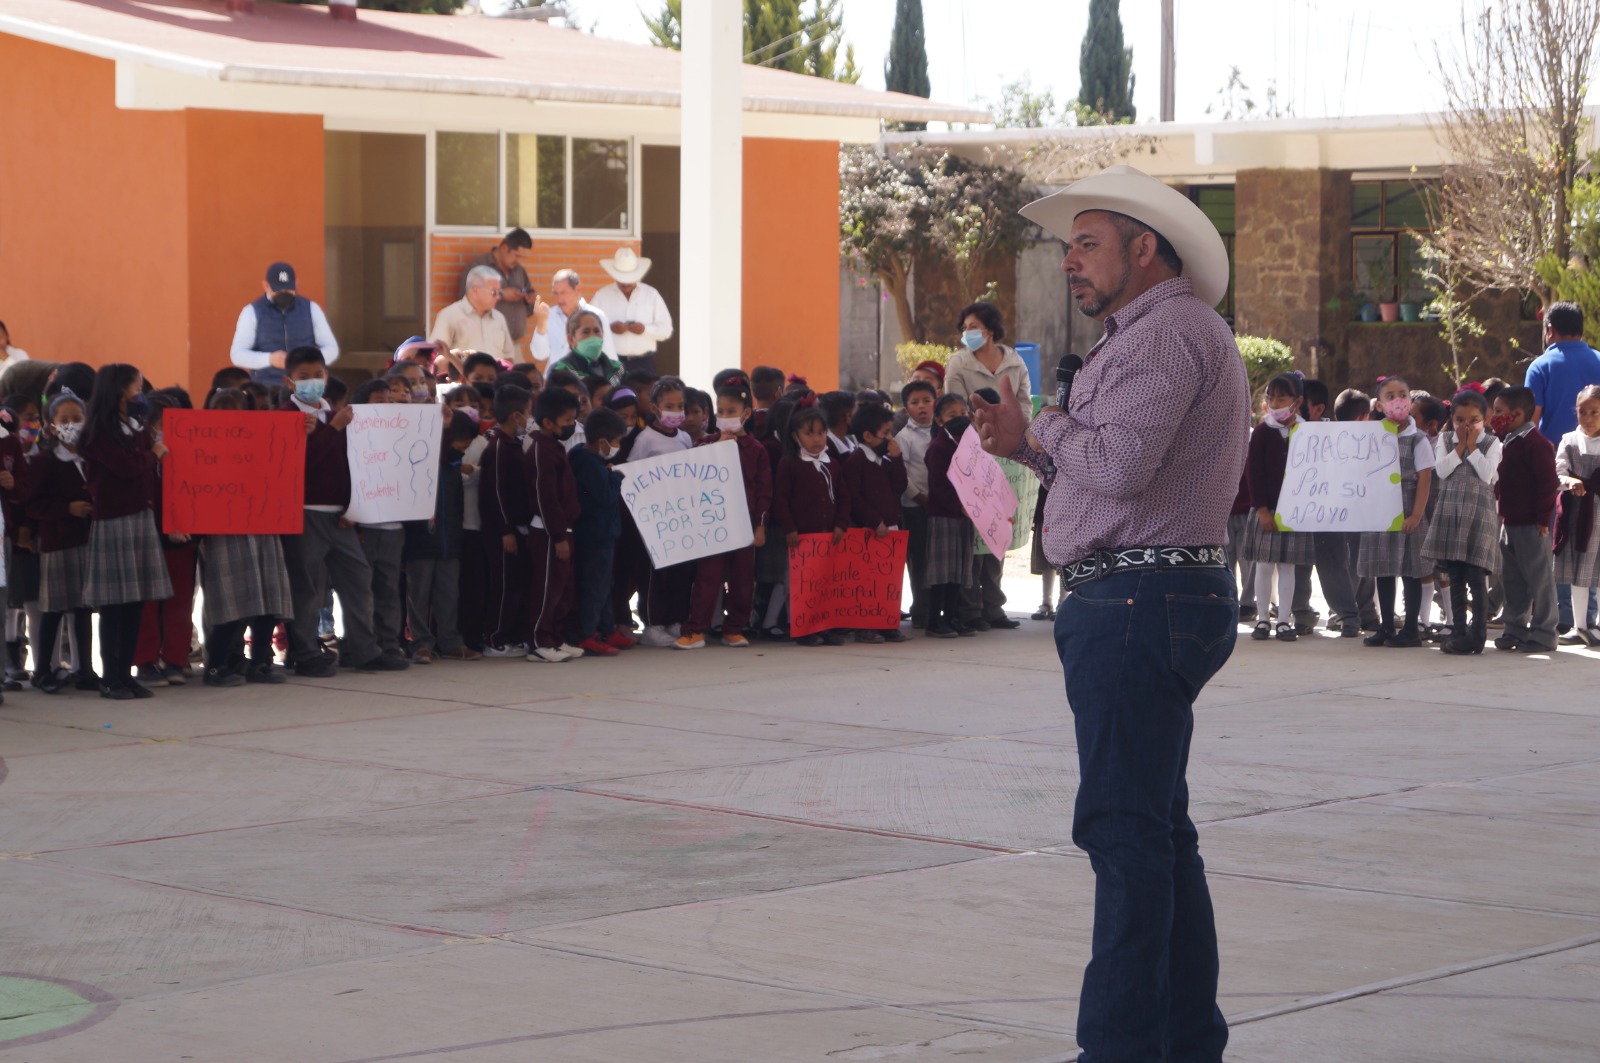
x,y
1327,58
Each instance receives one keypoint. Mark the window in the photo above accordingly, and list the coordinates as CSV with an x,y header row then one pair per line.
x,y
1217,202
550,182
1386,259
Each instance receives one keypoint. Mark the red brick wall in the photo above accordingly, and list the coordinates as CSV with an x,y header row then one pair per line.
x,y
450,253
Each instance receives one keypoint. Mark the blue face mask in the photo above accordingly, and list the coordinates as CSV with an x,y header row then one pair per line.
x,y
138,406
310,391
972,339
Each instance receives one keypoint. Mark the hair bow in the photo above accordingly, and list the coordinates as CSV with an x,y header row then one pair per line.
x,y
796,378
806,401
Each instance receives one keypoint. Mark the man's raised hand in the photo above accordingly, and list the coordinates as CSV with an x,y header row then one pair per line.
x,y
1001,426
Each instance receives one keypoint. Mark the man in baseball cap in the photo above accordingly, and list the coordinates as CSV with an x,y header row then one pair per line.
x,y
275,324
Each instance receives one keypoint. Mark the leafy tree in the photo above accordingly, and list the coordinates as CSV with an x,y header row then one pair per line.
x,y
1105,68
1235,100
906,67
1022,108
782,34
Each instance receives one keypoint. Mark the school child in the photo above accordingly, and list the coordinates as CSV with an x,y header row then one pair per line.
x,y
1527,491
983,601
432,557
1241,517
698,412
19,450
59,506
244,584
594,536
1386,556
384,542
325,551
503,515
1430,417
950,533
731,577
1464,532
125,568
552,509
838,407
1275,553
875,479
1354,405
663,592
1577,549
809,495
918,398
474,566
166,630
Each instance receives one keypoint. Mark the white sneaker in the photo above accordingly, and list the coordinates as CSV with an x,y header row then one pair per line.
x,y
547,655
570,650
656,635
675,630
514,650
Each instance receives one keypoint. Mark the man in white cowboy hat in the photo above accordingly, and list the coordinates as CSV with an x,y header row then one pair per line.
x,y
1142,465
639,316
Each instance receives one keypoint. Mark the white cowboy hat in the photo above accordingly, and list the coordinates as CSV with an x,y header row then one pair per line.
x,y
1133,192
626,267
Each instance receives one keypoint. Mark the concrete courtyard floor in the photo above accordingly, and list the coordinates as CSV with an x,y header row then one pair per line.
x,y
785,854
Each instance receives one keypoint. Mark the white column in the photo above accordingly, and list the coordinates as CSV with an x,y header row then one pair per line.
x,y
712,198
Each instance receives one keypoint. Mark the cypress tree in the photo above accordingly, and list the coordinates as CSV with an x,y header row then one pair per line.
x,y
906,68
1105,68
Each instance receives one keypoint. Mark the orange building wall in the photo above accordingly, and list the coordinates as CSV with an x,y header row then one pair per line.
x,y
791,258
93,242
243,216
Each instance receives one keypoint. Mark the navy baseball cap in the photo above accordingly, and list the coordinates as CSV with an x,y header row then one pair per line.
x,y
280,277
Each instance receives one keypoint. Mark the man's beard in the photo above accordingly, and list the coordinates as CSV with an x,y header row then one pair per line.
x,y
1095,301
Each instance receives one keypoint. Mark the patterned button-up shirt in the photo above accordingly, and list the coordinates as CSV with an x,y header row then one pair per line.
x,y
1150,449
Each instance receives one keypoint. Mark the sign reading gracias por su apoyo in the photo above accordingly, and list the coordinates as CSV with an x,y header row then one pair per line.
x,y
1342,476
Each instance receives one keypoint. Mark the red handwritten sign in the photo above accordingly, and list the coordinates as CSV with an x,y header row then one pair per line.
x,y
229,472
854,583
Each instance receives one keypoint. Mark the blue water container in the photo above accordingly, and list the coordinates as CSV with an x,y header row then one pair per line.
x,y
1029,353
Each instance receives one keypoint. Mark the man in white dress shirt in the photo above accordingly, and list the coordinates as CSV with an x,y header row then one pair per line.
x,y
473,323
548,343
639,316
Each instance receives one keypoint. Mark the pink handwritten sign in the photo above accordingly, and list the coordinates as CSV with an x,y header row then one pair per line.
x,y
985,494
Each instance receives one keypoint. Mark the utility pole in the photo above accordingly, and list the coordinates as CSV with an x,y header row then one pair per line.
x,y
1169,63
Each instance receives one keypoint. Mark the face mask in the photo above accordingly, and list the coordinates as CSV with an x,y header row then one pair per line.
x,y
589,347
956,426
28,434
972,339
606,453
1500,424
729,424
567,432
419,394
1285,415
310,391
69,432
283,300
522,430
1397,410
138,406
882,449
669,420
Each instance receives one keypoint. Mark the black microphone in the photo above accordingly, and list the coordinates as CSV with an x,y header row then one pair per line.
x,y
1066,369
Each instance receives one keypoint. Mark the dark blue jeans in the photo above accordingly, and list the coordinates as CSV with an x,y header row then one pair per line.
x,y
1136,650
594,616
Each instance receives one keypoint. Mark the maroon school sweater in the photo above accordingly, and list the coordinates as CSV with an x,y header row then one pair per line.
x,y
809,498
122,475
551,487
57,484
327,464
875,488
942,498
502,487
756,468
1528,484
13,499
1264,465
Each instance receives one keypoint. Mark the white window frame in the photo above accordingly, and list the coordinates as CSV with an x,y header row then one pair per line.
x,y
635,192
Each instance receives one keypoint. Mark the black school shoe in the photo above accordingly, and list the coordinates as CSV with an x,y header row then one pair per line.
x,y
85,680
116,692
939,630
138,691
1405,639
218,677
1004,623
45,682
319,667
384,662
265,672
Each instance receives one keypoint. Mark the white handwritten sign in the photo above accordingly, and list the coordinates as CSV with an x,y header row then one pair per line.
x,y
985,494
394,461
689,504
1342,476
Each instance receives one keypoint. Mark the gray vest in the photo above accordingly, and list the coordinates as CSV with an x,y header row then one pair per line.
x,y
280,330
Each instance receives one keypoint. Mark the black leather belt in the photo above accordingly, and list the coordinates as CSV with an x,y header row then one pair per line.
x,y
1103,563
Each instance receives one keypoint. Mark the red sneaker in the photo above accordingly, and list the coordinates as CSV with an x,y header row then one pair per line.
x,y
619,640
595,646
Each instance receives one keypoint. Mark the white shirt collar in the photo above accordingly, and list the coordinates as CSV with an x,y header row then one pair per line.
x,y
815,459
844,446
319,409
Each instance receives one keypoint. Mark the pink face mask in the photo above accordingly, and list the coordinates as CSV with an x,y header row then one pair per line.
x,y
1397,410
1285,415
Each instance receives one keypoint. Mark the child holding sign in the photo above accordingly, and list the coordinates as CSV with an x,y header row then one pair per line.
x,y
875,478
950,533
1464,535
663,592
1274,552
1387,555
809,496
733,574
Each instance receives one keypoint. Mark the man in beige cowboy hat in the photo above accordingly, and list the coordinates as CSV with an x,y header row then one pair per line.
x,y
1142,464
638,315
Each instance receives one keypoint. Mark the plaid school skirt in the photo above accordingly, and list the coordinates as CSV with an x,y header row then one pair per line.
x,y
1464,526
1276,547
62,575
950,547
242,577
125,562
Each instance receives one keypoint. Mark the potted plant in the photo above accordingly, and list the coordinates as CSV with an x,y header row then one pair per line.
x,y
1382,275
